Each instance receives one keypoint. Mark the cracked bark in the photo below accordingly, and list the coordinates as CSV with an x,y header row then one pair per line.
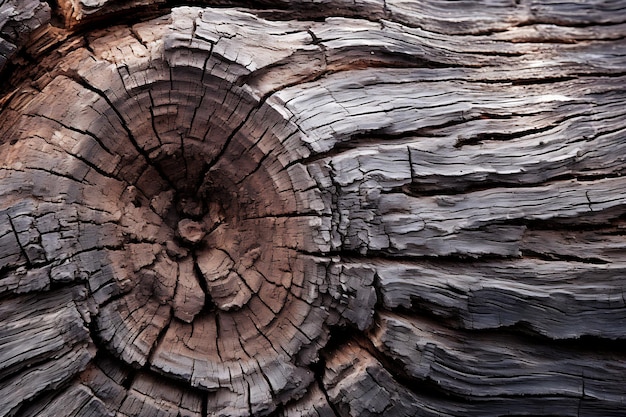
x,y
287,209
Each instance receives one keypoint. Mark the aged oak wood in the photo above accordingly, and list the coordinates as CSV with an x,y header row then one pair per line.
x,y
330,208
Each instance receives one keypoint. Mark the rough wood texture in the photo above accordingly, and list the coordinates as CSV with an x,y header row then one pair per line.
x,y
18,20
333,208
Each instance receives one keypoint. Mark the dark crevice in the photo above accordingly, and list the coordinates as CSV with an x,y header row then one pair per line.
x,y
56,174
249,79
449,317
205,405
373,256
259,165
153,120
200,180
56,18
143,152
86,162
598,74
204,175
542,80
527,253
278,412
445,186
383,58
284,215
73,129
569,23
218,334
127,383
318,368
44,397
588,344
29,264
379,137
159,339
598,221
209,306
455,186
496,136
314,39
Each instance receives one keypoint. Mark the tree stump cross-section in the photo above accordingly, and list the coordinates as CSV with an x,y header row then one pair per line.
x,y
398,208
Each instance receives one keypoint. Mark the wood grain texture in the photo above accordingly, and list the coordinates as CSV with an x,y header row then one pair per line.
x,y
19,19
329,208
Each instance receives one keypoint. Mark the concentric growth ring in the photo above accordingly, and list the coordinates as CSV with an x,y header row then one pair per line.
x,y
187,213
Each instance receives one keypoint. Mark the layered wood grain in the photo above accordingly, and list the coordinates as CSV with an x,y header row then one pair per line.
x,y
393,208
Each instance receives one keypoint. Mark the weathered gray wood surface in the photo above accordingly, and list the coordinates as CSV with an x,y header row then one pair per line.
x,y
334,208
